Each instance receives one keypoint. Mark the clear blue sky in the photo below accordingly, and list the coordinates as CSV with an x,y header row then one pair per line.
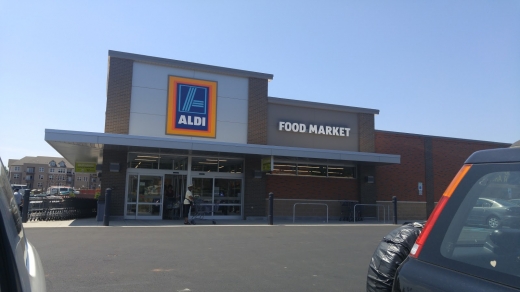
x,y
442,68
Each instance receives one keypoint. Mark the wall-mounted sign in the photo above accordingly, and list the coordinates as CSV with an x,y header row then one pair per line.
x,y
420,188
192,107
267,164
313,129
86,167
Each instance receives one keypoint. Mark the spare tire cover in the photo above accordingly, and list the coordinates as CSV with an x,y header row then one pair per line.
x,y
388,256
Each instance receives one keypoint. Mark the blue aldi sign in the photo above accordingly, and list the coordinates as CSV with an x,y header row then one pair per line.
x,y
191,107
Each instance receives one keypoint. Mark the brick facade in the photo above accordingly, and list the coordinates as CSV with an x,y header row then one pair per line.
x,y
434,161
114,180
119,91
257,111
255,192
311,188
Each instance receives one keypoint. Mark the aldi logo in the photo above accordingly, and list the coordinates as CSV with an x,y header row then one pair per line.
x,y
192,107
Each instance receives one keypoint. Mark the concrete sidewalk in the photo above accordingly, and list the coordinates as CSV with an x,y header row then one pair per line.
x,y
92,222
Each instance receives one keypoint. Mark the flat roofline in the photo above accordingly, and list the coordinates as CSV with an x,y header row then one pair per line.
x,y
319,105
188,65
67,143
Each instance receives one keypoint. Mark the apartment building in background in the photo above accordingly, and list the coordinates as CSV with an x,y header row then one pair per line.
x,y
41,172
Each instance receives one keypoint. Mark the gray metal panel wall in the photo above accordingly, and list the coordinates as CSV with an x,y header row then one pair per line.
x,y
315,116
119,91
257,111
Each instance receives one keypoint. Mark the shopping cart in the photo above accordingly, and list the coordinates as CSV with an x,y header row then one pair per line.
x,y
199,210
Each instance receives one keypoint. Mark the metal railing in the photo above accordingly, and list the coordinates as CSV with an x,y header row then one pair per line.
x,y
294,209
374,205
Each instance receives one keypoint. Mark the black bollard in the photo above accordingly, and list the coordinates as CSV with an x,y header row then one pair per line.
x,y
394,201
25,208
271,198
106,218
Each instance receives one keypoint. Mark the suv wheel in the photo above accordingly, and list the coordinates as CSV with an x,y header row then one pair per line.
x,y
493,222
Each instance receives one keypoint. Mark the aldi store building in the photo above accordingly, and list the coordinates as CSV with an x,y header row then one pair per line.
x,y
171,123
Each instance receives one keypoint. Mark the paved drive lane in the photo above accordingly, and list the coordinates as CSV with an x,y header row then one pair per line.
x,y
207,258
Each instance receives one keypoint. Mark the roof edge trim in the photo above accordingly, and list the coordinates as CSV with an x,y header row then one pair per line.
x,y
189,65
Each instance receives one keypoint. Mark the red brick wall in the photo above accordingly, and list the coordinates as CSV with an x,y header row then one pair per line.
x,y
400,180
449,156
315,188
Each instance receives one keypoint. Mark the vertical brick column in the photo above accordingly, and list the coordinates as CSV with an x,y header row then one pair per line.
x,y
257,111
255,193
119,90
429,175
114,179
367,191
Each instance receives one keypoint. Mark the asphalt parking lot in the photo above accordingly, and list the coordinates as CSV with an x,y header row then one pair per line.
x,y
207,257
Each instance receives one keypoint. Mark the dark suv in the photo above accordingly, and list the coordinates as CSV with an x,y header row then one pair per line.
x,y
451,254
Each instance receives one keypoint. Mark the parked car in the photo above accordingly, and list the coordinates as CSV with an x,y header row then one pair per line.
x,y
470,242
515,201
20,265
494,213
449,254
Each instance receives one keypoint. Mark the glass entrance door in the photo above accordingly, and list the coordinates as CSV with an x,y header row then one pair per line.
x,y
144,196
218,197
174,189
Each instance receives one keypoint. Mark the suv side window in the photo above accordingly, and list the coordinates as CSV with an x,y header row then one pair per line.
x,y
479,230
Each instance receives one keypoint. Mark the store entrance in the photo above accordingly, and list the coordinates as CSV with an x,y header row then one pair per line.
x,y
174,188
154,195
218,197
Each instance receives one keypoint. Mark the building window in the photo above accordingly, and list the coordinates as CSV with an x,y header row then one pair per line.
x,y
40,176
51,170
79,178
42,169
16,176
30,169
312,170
16,168
50,177
52,163
40,185
284,168
341,171
85,178
28,177
61,170
288,167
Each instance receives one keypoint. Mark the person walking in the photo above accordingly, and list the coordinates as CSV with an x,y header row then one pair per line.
x,y
19,200
188,202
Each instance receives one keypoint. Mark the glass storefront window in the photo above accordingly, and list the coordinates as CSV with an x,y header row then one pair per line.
x,y
132,188
174,162
342,171
312,170
143,160
284,168
231,165
204,164
227,196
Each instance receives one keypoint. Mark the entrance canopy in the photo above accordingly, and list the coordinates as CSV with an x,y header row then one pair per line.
x,y
78,146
